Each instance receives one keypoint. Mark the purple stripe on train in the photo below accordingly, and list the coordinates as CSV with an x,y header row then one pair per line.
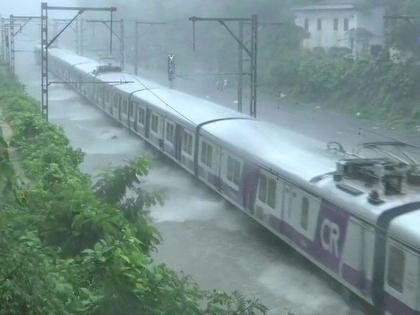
x,y
327,247
330,235
357,279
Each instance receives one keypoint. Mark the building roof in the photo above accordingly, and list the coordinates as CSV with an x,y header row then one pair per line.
x,y
329,5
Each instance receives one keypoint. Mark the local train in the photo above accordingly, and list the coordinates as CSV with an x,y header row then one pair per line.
x,y
355,217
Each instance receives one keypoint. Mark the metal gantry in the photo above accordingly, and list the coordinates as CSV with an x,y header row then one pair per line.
x,y
5,35
12,44
251,51
46,43
76,29
3,39
16,25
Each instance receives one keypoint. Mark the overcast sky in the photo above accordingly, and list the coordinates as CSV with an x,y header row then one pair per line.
x,y
28,7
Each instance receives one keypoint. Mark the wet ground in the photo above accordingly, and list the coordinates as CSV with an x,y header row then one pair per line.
x,y
203,236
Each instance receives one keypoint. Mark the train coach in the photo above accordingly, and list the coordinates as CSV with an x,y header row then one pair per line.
x,y
355,217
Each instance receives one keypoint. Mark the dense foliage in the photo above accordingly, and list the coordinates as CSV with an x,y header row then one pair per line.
x,y
378,89
70,247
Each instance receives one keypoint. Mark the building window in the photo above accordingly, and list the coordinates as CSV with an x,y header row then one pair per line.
x,y
206,154
170,132
141,115
335,24
233,173
319,24
267,191
187,143
346,24
396,264
307,25
304,219
154,126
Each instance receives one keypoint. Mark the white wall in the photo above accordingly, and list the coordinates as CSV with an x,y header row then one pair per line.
x,y
327,37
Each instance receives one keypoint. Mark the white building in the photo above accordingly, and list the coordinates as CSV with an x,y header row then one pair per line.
x,y
340,23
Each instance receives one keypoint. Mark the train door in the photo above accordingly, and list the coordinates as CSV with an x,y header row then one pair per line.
x,y
147,123
179,132
113,104
269,199
300,214
357,262
401,279
120,108
209,162
131,113
290,200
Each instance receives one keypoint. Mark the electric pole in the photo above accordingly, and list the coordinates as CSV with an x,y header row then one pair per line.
x,y
46,43
251,51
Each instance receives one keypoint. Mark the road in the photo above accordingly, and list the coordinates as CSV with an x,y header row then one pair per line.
x,y
203,236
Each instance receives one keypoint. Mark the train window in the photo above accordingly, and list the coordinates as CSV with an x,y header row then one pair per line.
x,y
154,126
170,132
115,99
207,154
271,198
107,96
141,115
187,143
395,272
102,95
262,194
130,109
125,106
233,173
267,191
304,218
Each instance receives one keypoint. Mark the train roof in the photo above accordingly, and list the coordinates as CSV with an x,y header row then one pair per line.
x,y
300,159
186,107
297,157
73,59
281,149
191,109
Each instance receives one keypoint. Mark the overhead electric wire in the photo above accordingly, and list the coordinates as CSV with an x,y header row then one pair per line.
x,y
162,100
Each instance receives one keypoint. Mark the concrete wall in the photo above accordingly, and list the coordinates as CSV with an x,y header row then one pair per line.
x,y
328,36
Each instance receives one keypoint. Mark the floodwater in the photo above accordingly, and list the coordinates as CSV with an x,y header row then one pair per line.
x,y
203,236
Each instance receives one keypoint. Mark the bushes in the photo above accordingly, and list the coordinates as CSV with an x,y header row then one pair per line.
x,y
379,89
68,248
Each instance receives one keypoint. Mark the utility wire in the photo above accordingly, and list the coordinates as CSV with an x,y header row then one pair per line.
x,y
162,100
